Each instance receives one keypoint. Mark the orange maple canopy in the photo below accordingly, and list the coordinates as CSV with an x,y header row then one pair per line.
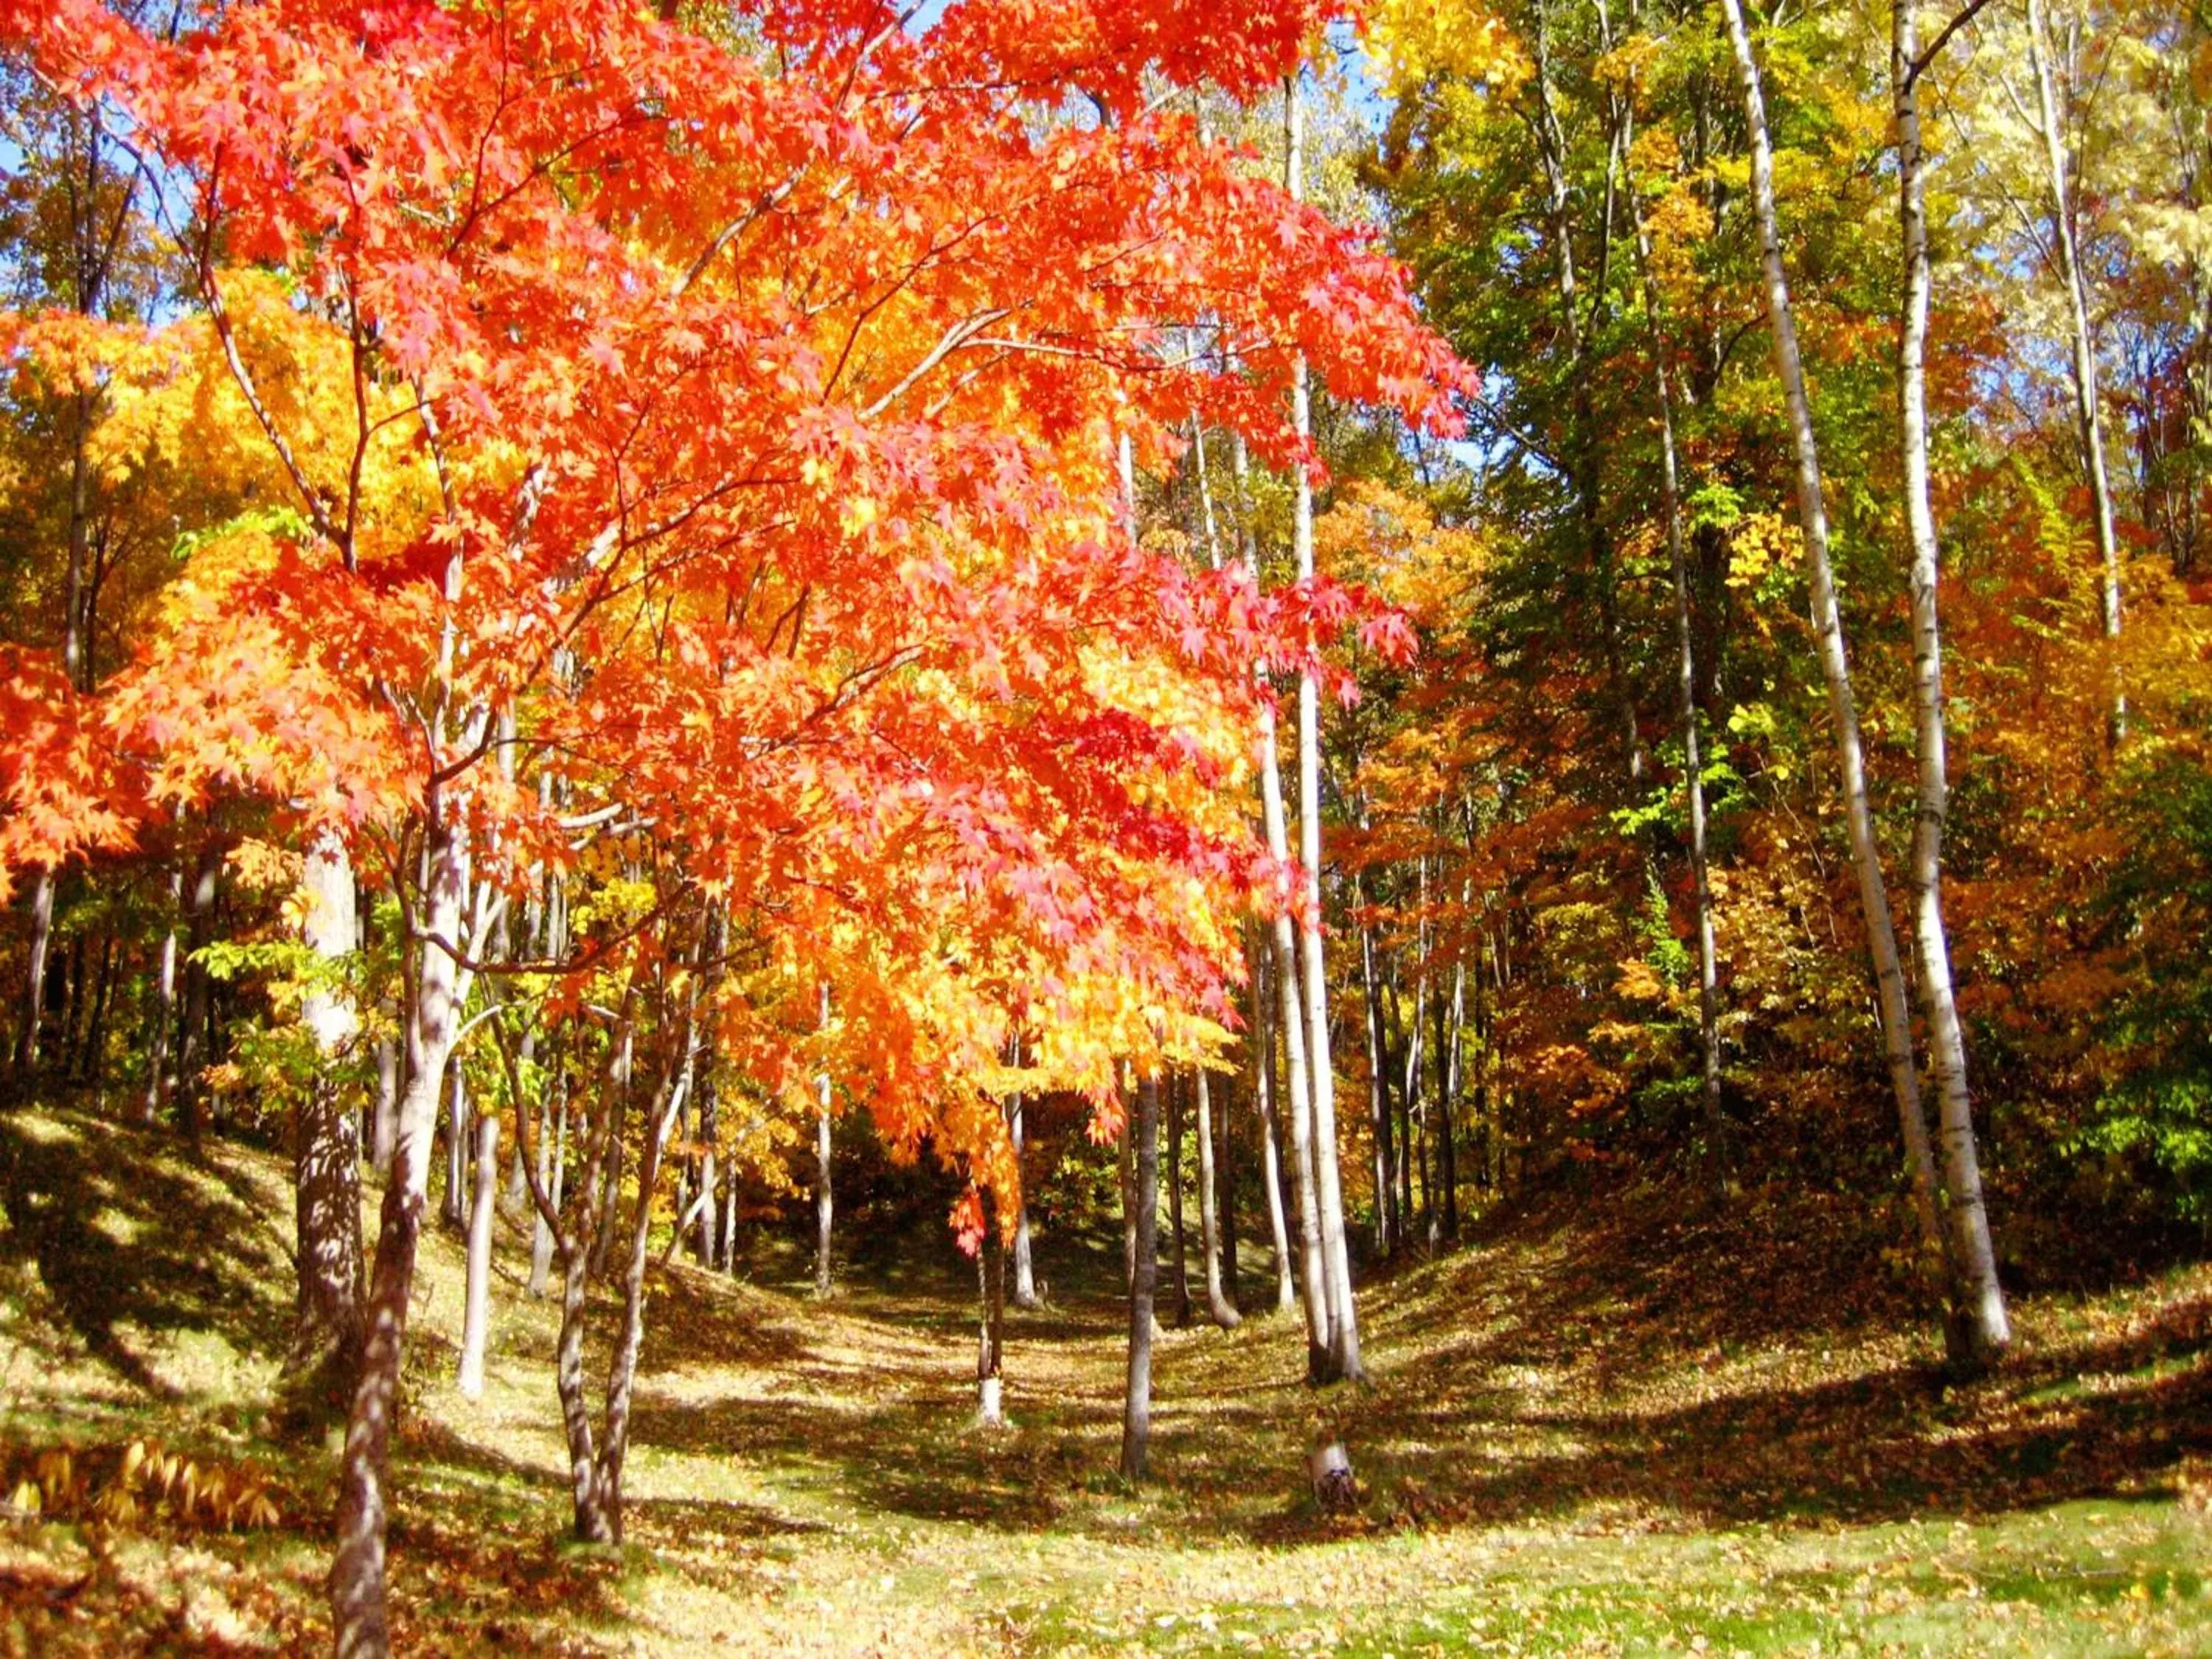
x,y
713,439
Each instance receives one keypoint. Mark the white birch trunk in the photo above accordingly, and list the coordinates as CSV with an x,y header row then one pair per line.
x,y
1343,1345
1296,1104
1827,624
1976,1330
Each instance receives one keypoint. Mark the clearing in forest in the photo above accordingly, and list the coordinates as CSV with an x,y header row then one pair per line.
x,y
1647,1434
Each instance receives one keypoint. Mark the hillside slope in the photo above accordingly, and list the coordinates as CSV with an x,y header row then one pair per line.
x,y
1655,1435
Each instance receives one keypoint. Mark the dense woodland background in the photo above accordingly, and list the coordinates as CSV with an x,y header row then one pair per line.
x,y
643,627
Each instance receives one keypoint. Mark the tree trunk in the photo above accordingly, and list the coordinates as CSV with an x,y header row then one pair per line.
x,y
1175,1092
1342,1339
990,1345
454,1210
592,1525
326,1151
192,1037
356,1580
1828,624
1975,1331
1297,1098
1271,1160
1378,1099
92,1049
516,1193
553,1178
73,1006
710,1091
730,1224
1025,1291
1219,1306
386,1115
1449,1021
165,1013
824,1199
1144,1190
34,994
1127,1172
710,1189
476,1316
2088,414
620,1071
621,1368
1225,1197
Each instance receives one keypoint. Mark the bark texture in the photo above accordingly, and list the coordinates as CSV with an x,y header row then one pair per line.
x,y
1827,626
1137,1397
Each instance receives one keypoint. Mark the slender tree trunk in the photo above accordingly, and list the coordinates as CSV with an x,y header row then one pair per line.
x,y
192,1037
621,1368
516,1193
1416,1059
1175,1092
621,1072
591,1523
1378,1100
1136,1399
1271,1161
356,1581
326,1152
730,1264
94,1051
455,1208
1219,1306
1342,1347
710,1190
35,994
164,1013
990,1345
1129,1177
2089,415
1225,1181
709,1093
551,1176
385,1118
824,1202
1976,1330
73,1001
1686,686
1828,625
1449,1022
475,1318
1025,1291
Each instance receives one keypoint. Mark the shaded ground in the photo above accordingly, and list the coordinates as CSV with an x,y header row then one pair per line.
x,y
1655,1434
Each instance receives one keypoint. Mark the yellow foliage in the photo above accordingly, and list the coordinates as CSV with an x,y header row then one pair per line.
x,y
1758,542
1413,44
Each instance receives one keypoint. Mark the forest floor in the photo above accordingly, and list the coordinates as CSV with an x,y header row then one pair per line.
x,y
1658,1433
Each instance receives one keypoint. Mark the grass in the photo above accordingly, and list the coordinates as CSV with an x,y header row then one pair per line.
x,y
1658,1432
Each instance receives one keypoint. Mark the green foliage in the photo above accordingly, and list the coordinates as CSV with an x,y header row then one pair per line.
x,y
2156,1117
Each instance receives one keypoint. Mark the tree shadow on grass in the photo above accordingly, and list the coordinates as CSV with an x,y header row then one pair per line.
x,y
1529,1386
1456,1435
913,1457
122,1238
